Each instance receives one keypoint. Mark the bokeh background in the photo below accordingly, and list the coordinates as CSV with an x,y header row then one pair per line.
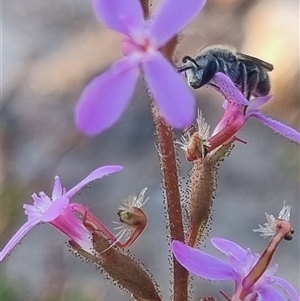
x,y
50,50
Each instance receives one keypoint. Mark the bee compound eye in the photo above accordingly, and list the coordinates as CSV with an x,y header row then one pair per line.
x,y
209,72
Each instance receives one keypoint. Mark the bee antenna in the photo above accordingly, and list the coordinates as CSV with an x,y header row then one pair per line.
x,y
184,68
187,58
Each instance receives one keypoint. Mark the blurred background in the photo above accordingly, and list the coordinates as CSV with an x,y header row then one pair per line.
x,y
50,50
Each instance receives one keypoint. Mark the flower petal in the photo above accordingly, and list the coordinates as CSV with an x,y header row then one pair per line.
x,y
106,97
18,236
229,90
228,247
171,93
278,127
57,208
200,263
287,287
269,293
255,103
57,188
171,17
40,205
231,122
72,226
96,174
124,16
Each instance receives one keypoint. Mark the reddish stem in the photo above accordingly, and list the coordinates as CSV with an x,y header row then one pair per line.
x,y
284,228
170,181
170,178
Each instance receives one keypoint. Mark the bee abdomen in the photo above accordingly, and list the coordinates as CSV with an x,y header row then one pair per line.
x,y
263,86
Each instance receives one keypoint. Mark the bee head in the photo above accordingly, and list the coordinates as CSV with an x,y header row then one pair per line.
x,y
197,75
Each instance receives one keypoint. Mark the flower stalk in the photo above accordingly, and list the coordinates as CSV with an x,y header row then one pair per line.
x,y
168,163
167,157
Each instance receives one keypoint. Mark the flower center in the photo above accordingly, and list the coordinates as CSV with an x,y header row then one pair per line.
x,y
129,46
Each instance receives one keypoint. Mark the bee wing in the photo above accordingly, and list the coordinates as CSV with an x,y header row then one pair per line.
x,y
248,58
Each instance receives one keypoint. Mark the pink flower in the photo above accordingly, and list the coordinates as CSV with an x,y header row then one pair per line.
x,y
58,211
239,265
105,98
237,112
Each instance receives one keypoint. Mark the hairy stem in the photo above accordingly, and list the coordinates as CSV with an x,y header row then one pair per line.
x,y
172,199
170,178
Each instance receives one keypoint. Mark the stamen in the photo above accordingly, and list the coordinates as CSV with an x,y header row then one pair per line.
x,y
135,201
195,144
270,228
133,220
203,126
118,237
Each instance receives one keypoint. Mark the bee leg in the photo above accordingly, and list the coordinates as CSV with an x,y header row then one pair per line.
x,y
253,78
243,77
222,66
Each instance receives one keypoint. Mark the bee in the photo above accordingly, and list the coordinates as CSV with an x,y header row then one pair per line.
x,y
248,73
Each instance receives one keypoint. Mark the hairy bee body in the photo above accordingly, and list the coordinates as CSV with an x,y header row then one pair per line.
x,y
248,73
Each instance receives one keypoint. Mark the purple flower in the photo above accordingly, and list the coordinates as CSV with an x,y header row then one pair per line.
x,y
240,263
58,211
237,112
107,95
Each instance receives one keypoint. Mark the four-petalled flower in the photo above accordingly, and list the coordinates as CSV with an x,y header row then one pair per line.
x,y
241,262
59,212
107,95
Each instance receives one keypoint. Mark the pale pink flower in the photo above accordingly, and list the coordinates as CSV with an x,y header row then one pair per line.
x,y
59,212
